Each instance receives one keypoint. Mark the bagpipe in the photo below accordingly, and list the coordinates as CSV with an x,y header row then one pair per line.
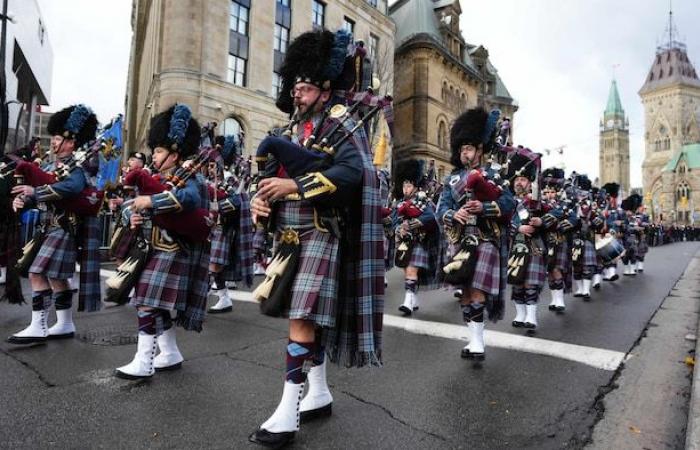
x,y
338,124
87,203
408,212
194,225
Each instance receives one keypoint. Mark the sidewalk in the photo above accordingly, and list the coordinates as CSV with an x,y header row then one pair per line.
x,y
689,284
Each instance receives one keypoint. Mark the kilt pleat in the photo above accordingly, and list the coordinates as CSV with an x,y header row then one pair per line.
x,y
487,273
221,242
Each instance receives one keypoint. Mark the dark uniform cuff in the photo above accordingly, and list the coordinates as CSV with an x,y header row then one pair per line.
x,y
314,184
448,218
226,206
165,202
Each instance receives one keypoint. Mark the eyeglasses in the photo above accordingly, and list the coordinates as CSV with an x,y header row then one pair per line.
x,y
303,90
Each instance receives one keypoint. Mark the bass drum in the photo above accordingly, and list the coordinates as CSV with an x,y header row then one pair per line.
x,y
608,248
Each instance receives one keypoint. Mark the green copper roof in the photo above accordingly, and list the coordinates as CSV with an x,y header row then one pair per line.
x,y
689,152
614,104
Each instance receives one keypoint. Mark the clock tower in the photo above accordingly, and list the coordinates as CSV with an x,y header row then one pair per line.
x,y
614,159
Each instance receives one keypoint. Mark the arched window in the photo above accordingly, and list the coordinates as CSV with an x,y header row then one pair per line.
x,y
683,192
442,135
233,127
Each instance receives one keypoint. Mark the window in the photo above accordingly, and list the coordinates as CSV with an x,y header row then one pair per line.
x,y
283,3
276,84
348,25
238,19
281,38
236,70
372,3
442,136
373,47
232,127
318,12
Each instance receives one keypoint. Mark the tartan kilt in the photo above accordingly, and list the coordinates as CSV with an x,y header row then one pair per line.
x,y
176,281
389,251
221,244
642,248
589,254
315,285
57,255
419,257
536,270
562,257
487,272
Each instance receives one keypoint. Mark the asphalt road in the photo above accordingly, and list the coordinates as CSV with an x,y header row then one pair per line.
x,y
63,394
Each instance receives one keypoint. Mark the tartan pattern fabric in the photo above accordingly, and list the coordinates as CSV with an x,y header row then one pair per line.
x,y
562,257
244,254
589,254
315,285
178,280
642,248
90,292
220,252
536,270
57,256
356,340
419,257
487,272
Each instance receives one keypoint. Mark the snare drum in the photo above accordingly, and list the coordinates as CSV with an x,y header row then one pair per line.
x,y
608,248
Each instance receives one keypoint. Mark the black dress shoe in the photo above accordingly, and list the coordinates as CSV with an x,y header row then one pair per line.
x,y
552,307
586,297
405,310
529,325
318,413
517,324
560,308
596,286
614,277
175,366
272,440
53,337
578,295
220,311
466,354
25,340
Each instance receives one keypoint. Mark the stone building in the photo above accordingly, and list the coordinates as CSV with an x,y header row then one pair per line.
x,y
438,75
614,156
671,169
220,57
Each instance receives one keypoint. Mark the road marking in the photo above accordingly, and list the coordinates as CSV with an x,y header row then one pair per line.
x,y
591,356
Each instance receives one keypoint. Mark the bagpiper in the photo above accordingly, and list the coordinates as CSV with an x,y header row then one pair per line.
x,y
644,225
583,248
174,275
67,233
611,214
558,237
527,268
231,256
320,196
630,230
475,211
416,232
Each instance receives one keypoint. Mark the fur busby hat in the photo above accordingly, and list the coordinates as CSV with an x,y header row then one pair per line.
x,y
553,177
582,181
229,147
523,163
632,203
612,189
407,170
318,57
75,122
176,130
473,127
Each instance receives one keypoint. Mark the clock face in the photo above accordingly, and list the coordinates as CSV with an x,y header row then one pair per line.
x,y
610,123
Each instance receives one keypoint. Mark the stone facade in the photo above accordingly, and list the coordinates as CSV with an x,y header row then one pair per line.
x,y
671,168
180,53
438,75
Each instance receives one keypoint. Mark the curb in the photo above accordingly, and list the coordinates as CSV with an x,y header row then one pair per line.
x,y
692,435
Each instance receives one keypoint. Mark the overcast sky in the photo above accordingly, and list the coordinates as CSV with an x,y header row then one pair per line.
x,y
555,56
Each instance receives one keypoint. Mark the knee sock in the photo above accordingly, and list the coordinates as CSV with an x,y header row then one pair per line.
x,y
297,354
319,354
63,300
477,312
151,322
41,300
587,273
411,285
532,294
217,280
518,294
556,284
